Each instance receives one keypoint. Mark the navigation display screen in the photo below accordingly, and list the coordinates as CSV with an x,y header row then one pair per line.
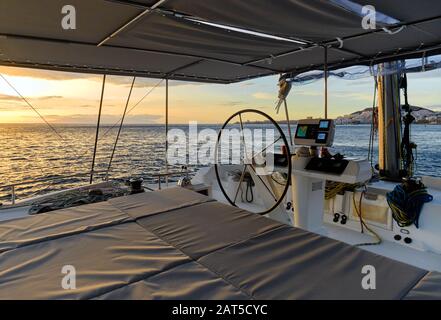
x,y
314,132
302,131
321,137
324,124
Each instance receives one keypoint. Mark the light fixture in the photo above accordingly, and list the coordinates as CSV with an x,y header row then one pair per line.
x,y
240,30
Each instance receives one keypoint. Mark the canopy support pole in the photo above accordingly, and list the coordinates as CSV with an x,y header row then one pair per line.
x,y
325,70
148,10
119,129
288,122
97,129
166,131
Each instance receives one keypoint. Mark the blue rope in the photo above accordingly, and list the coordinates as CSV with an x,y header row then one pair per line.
x,y
406,207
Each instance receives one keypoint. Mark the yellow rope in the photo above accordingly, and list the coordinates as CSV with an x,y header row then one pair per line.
x,y
363,224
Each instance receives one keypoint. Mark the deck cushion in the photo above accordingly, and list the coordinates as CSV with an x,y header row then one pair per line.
x,y
289,263
150,203
104,260
429,288
58,224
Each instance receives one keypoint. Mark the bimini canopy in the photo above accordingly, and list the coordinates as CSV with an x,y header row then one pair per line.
x,y
215,41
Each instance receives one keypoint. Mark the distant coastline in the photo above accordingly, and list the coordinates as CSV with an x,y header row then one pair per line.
x,y
422,116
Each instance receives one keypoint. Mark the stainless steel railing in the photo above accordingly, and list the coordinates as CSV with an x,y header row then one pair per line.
x,y
13,186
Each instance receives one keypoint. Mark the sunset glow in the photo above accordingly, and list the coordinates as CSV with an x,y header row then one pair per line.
x,y
74,98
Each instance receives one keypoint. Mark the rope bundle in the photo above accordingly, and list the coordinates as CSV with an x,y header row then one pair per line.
x,y
406,204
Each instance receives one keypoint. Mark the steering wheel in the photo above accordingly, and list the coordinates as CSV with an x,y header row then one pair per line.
x,y
262,170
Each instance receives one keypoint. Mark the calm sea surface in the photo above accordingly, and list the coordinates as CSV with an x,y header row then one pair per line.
x,y
30,152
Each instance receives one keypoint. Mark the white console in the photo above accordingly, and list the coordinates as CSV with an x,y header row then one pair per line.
x,y
308,186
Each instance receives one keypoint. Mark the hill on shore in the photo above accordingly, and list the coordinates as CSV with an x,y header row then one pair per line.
x,y
422,115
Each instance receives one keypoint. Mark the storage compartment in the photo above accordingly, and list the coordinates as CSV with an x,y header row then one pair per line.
x,y
374,209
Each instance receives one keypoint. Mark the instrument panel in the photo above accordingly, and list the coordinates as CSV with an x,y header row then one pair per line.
x,y
315,132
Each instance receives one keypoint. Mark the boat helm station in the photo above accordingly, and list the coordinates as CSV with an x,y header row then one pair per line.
x,y
380,206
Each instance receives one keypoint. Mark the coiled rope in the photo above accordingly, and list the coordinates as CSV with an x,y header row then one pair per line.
x,y
406,205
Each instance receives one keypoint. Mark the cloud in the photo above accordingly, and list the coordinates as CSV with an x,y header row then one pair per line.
x,y
309,93
232,103
352,95
125,81
264,96
8,102
44,74
8,98
105,119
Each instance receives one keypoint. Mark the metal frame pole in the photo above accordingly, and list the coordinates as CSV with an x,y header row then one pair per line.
x,y
291,141
166,130
97,129
325,69
148,10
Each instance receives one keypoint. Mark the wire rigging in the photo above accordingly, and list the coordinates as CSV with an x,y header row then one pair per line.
x,y
32,107
120,128
133,107
373,130
97,129
38,113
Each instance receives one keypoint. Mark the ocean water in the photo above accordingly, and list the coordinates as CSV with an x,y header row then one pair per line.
x,y
31,152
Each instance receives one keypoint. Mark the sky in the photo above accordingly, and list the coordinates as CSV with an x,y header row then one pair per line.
x,y
73,98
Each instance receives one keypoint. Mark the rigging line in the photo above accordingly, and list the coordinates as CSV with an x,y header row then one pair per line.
x,y
32,107
131,109
120,128
97,129
372,129
37,112
116,123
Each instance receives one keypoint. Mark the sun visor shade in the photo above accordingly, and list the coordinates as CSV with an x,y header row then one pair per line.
x,y
211,40
304,19
94,19
170,34
307,58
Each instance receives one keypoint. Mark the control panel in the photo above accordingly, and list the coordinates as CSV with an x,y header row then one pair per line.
x,y
327,165
315,132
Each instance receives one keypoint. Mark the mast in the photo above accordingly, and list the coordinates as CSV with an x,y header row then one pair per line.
x,y
389,122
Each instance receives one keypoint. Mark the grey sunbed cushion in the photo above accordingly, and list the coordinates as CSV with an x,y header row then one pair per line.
x,y
289,263
57,224
188,281
429,288
150,203
178,244
104,260
204,228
